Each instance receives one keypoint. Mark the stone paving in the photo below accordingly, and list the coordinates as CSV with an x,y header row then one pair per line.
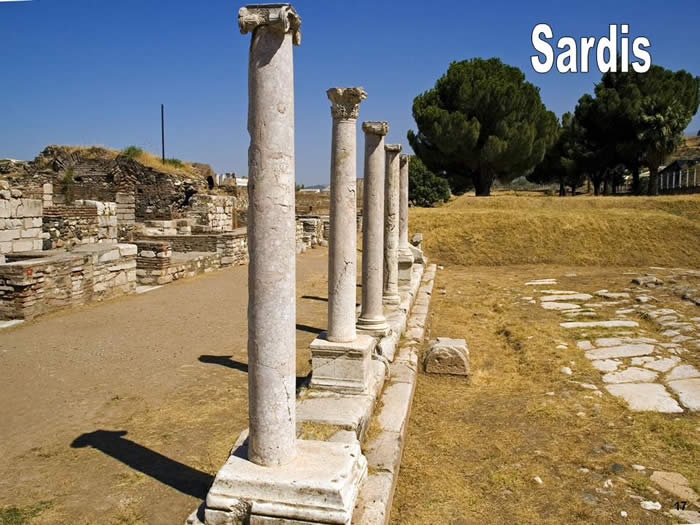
x,y
648,373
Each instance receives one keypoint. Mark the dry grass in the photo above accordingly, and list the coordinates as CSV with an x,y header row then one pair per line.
x,y
474,447
507,229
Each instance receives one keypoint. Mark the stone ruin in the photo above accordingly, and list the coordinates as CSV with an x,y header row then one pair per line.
x,y
309,458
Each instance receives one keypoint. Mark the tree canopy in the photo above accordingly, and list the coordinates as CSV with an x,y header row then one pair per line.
x,y
482,120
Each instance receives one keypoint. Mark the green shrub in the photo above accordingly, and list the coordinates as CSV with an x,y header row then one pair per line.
x,y
175,162
132,152
425,189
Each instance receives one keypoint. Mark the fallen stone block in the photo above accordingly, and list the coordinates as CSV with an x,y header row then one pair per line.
x,y
447,356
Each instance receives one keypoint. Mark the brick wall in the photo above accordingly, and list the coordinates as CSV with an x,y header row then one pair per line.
x,y
83,222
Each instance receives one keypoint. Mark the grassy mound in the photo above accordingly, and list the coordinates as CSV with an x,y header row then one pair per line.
x,y
511,229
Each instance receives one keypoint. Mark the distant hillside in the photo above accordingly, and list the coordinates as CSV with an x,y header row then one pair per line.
x,y
690,149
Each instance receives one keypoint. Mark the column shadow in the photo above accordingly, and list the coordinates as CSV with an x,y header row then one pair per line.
x,y
229,362
177,475
310,329
315,298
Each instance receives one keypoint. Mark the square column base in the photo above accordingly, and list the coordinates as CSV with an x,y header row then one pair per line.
x,y
341,367
319,485
405,267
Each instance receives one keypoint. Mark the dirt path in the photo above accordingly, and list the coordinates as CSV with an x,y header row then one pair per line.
x,y
121,412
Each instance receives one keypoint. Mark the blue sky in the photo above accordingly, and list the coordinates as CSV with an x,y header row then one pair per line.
x,y
96,72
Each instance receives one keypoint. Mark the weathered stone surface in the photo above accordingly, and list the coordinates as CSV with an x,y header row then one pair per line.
x,y
447,356
605,365
688,391
683,372
630,375
662,365
600,324
396,404
559,306
341,367
566,297
541,282
391,225
676,484
628,350
645,397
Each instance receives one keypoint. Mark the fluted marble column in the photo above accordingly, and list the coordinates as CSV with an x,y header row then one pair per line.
x,y
271,235
342,272
391,225
372,318
405,253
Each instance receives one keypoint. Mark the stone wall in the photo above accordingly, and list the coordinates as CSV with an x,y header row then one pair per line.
x,y
83,222
31,287
20,221
214,212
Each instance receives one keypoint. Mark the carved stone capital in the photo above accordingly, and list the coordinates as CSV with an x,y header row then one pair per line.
x,y
282,17
393,148
346,101
376,127
404,158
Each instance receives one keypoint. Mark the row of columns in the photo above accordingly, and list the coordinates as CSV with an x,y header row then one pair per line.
x,y
674,180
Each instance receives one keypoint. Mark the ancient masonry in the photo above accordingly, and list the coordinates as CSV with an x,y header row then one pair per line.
x,y
309,458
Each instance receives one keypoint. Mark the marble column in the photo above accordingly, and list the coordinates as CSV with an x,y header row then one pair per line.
x,y
391,225
271,237
342,273
405,253
372,320
340,359
272,476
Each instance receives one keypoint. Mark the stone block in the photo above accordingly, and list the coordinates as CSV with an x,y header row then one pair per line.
x,y
111,255
127,249
32,207
447,356
319,485
341,367
8,235
396,404
24,245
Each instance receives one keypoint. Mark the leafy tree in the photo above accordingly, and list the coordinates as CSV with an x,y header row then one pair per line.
x,y
647,113
481,120
424,187
558,164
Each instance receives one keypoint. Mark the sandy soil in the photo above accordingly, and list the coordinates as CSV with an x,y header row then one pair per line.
x,y
121,412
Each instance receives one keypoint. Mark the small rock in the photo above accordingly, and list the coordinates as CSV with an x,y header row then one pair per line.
x,y
623,514
538,480
639,467
581,414
608,484
616,467
566,370
584,470
650,505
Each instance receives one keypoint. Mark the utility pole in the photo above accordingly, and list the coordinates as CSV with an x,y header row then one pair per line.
x,y
162,132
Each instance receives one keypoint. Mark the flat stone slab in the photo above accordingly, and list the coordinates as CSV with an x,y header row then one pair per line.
x,y
396,404
10,323
600,324
676,484
540,282
350,412
662,365
559,306
683,372
566,297
645,397
688,391
629,350
631,375
605,365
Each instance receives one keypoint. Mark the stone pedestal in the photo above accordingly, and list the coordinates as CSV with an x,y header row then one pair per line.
x,y
391,226
319,485
372,320
448,357
342,367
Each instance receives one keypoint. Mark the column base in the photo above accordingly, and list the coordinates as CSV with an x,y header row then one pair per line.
x,y
391,300
341,367
405,267
373,327
319,485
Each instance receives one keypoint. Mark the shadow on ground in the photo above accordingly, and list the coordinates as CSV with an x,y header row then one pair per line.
x,y
177,475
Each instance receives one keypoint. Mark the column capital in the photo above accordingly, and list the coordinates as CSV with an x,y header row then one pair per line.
x,y
282,17
346,101
392,148
375,127
404,158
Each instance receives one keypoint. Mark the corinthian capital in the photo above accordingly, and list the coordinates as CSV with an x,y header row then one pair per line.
x,y
375,127
392,148
346,101
404,158
282,17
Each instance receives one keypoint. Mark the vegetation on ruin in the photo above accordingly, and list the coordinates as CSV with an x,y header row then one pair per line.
x,y
22,515
482,120
67,186
132,152
512,229
425,189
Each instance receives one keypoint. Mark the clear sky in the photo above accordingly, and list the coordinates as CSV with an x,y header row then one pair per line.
x,y
96,71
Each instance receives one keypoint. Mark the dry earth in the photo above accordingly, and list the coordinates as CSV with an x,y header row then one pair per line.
x,y
120,413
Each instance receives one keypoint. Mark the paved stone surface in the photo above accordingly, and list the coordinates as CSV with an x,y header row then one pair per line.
x,y
630,375
629,350
683,372
645,397
688,391
606,365
567,297
675,484
616,323
559,306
